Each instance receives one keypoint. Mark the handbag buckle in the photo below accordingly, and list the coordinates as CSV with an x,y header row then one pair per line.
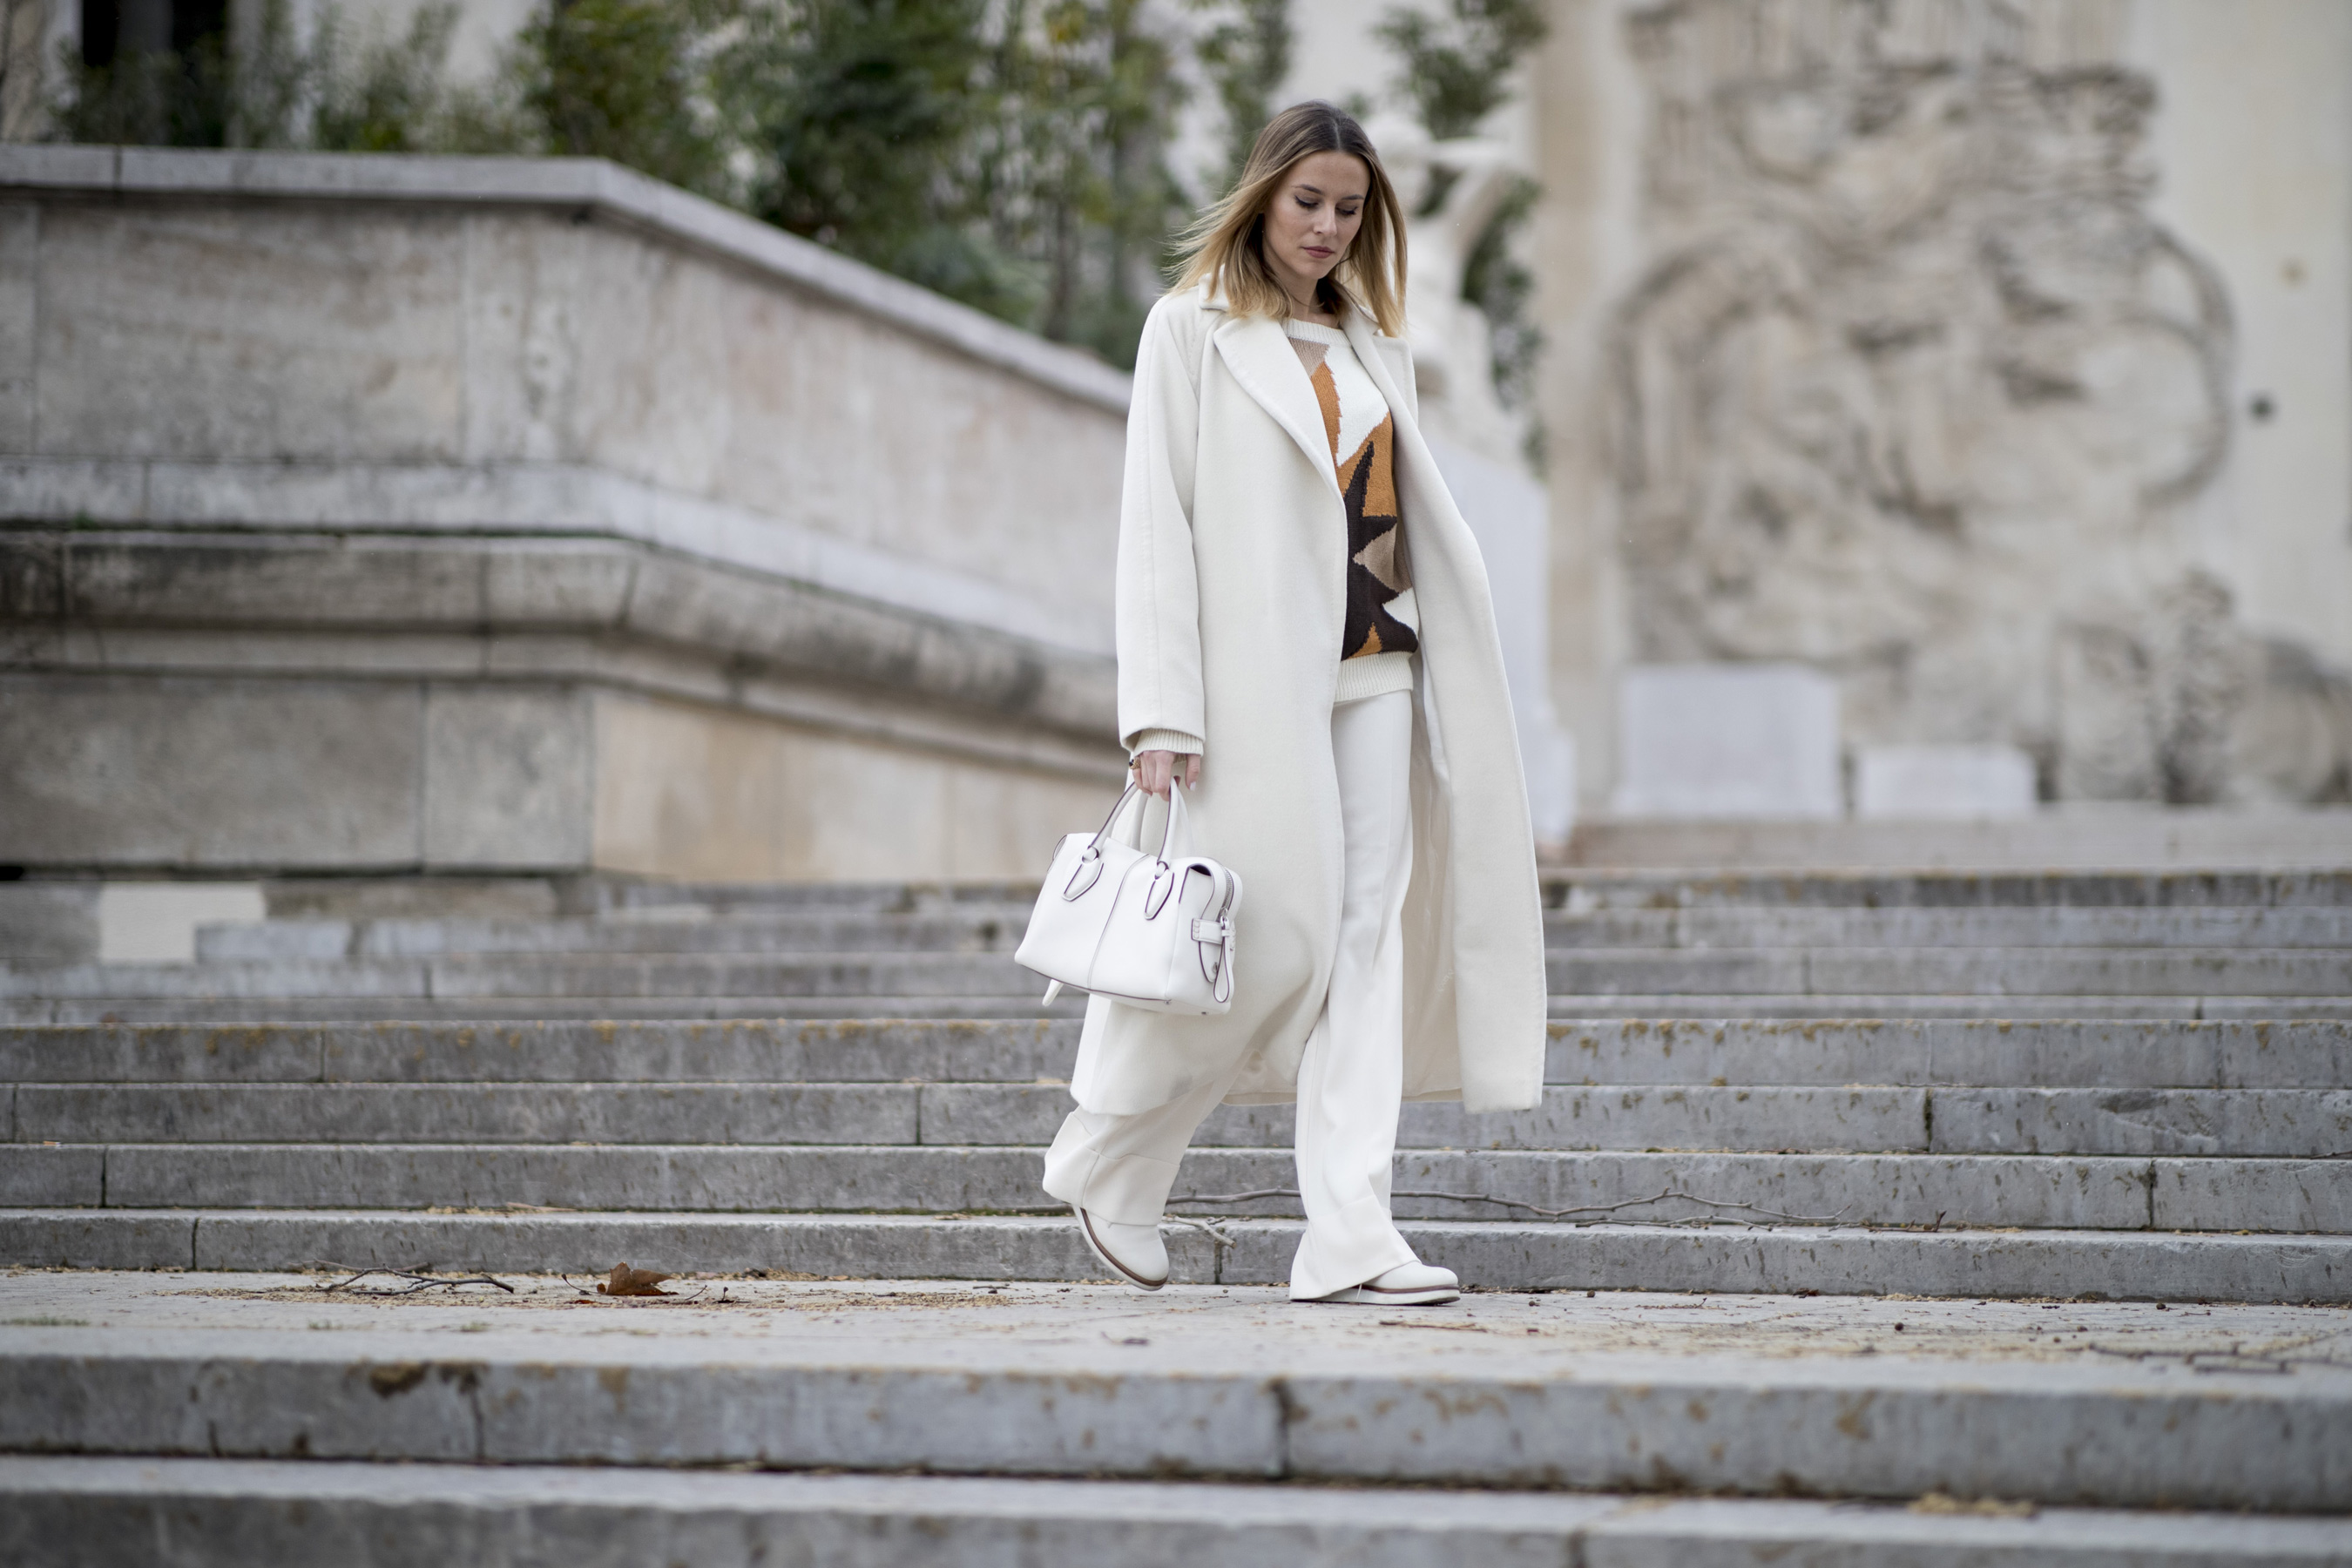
x,y
1086,874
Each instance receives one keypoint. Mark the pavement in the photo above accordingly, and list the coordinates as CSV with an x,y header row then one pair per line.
x,y
751,1419
1544,1335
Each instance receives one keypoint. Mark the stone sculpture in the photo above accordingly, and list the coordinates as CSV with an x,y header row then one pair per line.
x,y
1452,347
1913,392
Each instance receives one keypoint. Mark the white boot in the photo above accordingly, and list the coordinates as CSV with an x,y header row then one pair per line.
x,y
1406,1285
1134,1252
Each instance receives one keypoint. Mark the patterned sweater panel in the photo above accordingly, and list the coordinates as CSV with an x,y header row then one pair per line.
x,y
1362,432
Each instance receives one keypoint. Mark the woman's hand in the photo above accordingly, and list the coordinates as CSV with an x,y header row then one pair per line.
x,y
1155,769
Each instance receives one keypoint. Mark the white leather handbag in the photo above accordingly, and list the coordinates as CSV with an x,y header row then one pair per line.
x,y
1154,932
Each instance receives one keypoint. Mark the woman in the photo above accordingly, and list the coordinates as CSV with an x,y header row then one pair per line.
x,y
1306,644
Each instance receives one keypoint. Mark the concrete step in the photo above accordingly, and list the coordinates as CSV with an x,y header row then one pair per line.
x,y
1490,1255
536,975
2117,884
984,928
2076,1404
1994,972
2057,1054
2214,884
766,1051
1573,891
998,928
263,1010
74,1512
2055,927
1977,1191
2269,1123
1694,1007
620,898
1953,971
2074,836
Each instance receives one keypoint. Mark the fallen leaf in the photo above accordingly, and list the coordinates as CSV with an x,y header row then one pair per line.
x,y
1989,1507
628,1281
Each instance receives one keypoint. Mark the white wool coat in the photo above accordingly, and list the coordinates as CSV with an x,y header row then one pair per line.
x,y
1231,602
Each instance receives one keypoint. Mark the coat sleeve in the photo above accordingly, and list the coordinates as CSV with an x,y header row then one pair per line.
x,y
1157,598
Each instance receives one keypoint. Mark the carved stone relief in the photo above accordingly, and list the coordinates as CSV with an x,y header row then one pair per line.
x,y
1915,384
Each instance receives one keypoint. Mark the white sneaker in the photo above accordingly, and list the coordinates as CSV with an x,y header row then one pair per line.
x,y
1134,1252
1406,1285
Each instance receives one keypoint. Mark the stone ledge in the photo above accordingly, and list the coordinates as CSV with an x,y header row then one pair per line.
x,y
746,626
590,185
545,501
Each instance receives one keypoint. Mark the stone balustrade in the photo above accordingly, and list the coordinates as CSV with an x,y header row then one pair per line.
x,y
394,514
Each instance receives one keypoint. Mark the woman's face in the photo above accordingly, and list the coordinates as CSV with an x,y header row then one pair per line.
x,y
1313,217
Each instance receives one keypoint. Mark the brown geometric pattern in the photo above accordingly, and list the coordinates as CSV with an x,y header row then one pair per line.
x,y
1376,567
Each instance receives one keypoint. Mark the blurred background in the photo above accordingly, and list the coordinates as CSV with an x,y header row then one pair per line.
x,y
1911,432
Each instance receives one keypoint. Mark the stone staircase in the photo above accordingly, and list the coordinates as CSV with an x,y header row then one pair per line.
x,y
2061,1085
2257,945
2001,1090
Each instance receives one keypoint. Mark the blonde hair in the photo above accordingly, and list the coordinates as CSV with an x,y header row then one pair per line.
x,y
1226,246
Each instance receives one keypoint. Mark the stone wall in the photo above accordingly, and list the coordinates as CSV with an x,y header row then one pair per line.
x,y
400,514
1885,339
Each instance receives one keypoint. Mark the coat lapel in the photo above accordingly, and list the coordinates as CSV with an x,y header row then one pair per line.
x,y
1258,352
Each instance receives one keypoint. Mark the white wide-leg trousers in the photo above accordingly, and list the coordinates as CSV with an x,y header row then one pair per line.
x,y
1351,1079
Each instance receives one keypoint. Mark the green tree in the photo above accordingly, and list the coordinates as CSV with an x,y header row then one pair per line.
x,y
1247,56
862,113
1009,154
154,97
1455,68
388,97
1074,177
629,80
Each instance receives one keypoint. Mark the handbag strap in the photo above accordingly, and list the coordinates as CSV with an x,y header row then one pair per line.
x,y
1168,828
1118,806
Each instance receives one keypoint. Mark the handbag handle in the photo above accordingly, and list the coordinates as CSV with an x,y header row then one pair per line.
x,y
1089,866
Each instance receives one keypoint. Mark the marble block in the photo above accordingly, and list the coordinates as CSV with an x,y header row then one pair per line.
x,y
1943,781
1727,739
155,922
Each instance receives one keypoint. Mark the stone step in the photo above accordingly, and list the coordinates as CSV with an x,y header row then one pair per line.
x,y
1867,930
2218,885
2177,972
616,897
534,975
1888,889
2075,836
76,1513
989,929
1694,1007
1978,1191
266,1010
1490,1255
997,928
2268,1123
2077,1405
2058,1054
1953,971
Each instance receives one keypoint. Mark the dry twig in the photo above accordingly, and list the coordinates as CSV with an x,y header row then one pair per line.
x,y
423,1281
